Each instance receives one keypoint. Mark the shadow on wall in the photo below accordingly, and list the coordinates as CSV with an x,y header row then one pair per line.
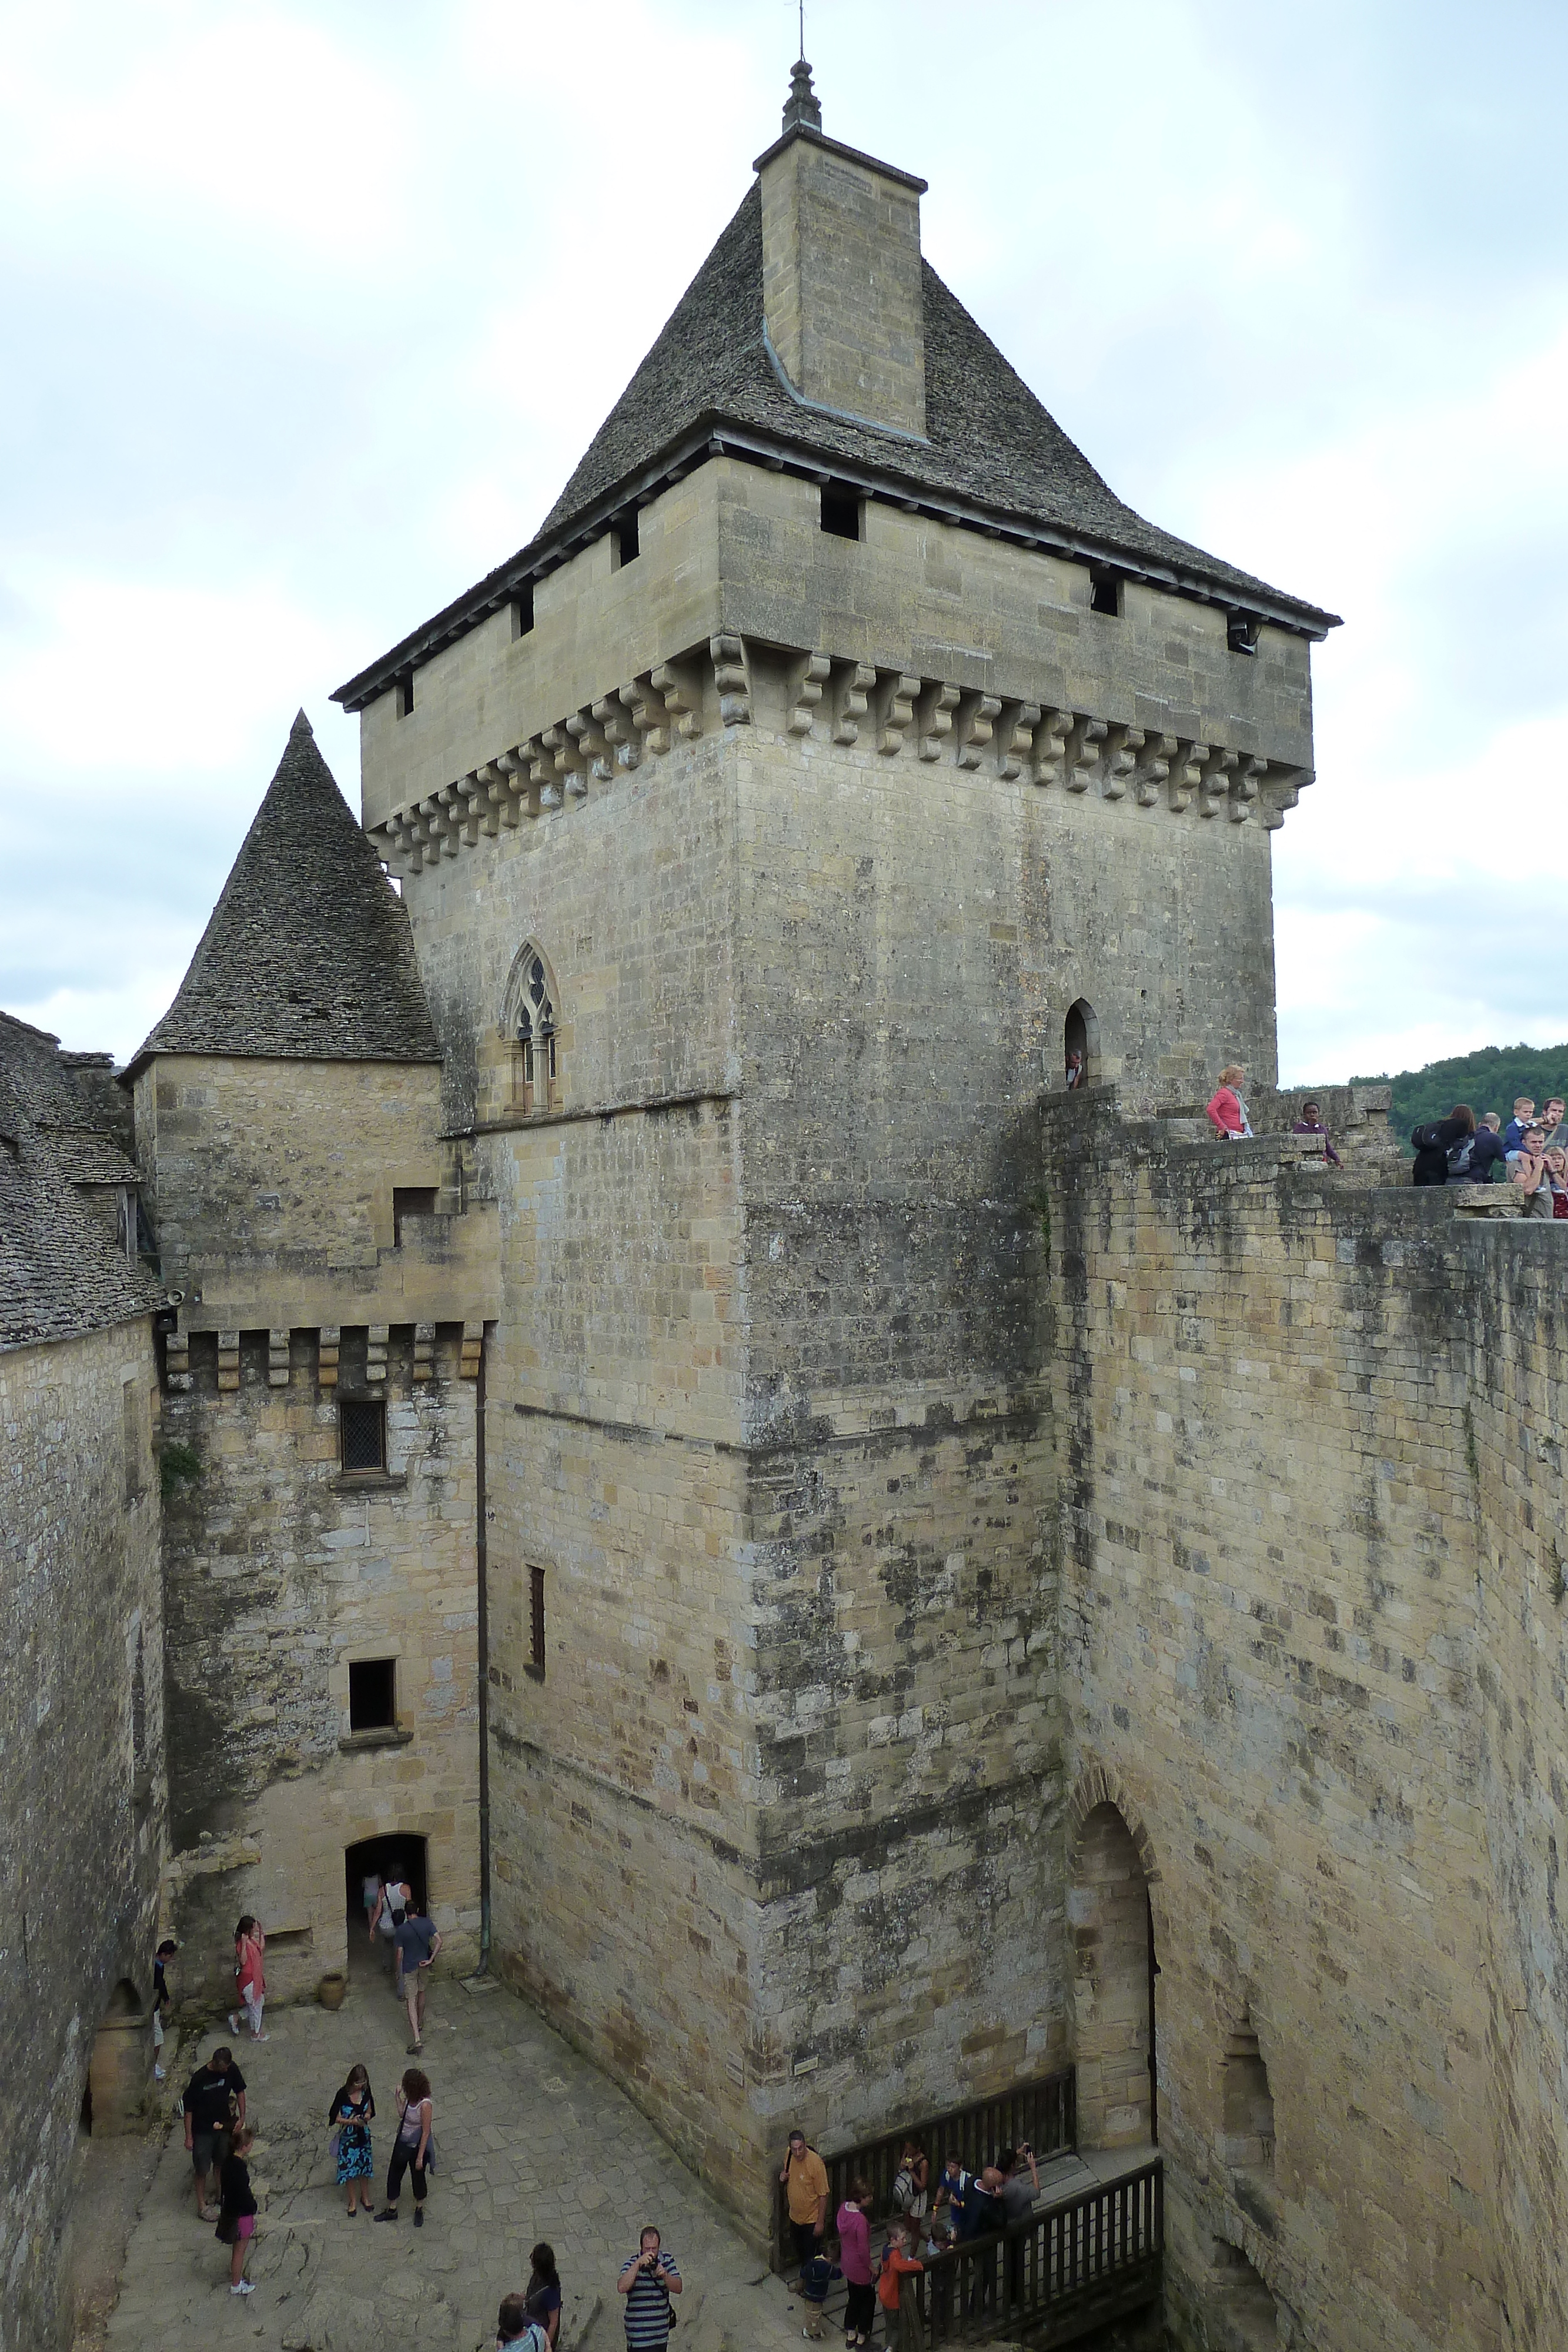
x,y
1114,1989
119,2067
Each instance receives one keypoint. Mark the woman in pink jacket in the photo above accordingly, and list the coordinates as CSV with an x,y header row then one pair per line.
x,y
855,2260
250,1949
1227,1111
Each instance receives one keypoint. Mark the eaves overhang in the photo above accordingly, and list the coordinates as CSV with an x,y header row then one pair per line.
x,y
714,436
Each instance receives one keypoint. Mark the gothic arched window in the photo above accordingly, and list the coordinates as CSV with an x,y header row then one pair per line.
x,y
534,1024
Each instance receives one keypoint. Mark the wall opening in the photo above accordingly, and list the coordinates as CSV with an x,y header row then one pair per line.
x,y
1105,593
382,1857
1240,2302
1114,1988
1247,2136
1080,1044
624,543
362,1433
118,2067
410,1200
372,1695
536,1666
842,510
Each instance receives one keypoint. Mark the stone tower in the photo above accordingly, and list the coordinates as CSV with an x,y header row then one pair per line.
x,y
321,1532
839,755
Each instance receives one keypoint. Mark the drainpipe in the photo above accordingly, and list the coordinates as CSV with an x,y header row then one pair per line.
x,y
482,1556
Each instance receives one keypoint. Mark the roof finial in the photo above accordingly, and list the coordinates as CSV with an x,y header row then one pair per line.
x,y
804,109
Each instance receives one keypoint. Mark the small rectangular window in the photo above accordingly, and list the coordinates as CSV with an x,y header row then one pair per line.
x,y
372,1695
624,534
523,609
410,1200
135,1480
536,1623
406,695
363,1431
1105,593
842,510
1241,631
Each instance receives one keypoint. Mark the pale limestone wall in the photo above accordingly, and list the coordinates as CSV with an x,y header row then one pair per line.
x,y
280,1570
81,1725
270,1184
736,549
842,283
1310,1647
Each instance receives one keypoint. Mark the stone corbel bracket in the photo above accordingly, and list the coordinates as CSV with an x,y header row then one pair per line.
x,y
851,703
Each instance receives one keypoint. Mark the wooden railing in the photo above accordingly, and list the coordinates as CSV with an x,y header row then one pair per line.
x,y
1041,2114
1051,2278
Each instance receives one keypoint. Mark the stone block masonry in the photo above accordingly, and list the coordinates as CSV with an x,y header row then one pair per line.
x,y
1310,1538
283,1570
81,1734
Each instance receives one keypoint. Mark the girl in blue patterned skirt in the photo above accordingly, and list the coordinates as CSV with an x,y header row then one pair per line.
x,y
350,2117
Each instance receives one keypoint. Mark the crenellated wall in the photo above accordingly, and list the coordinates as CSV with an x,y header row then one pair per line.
x,y
1308,1524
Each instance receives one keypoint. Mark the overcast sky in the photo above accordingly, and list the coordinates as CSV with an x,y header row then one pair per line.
x,y
309,310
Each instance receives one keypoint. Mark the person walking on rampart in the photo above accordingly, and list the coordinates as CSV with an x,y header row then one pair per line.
x,y
1227,1113
804,2180
350,2117
418,1942
413,2149
215,2108
648,2279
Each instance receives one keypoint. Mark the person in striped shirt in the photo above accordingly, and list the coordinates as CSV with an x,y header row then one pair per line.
x,y
648,2279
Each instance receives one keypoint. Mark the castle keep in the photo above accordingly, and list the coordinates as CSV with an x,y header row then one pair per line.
x,y
860,1576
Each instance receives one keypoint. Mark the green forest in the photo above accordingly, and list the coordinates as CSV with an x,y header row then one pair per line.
x,y
1488,1079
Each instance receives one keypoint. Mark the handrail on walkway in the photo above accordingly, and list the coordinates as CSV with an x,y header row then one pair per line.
x,y
1043,2114
1051,2277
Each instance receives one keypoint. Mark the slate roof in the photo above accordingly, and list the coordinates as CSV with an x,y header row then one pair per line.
x,y
309,955
993,452
60,1273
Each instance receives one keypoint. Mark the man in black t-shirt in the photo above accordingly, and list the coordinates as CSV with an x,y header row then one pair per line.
x,y
215,2108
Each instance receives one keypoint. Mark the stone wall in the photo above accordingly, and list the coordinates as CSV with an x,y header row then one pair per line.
x,y
81,1724
1311,1650
282,1568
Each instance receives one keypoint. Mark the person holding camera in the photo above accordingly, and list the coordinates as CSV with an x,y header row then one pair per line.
x,y
648,2279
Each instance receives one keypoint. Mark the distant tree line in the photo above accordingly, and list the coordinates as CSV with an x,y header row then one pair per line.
x,y
1488,1079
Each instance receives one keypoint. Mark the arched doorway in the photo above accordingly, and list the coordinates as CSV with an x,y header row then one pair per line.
x,y
1080,1044
380,1857
118,2070
1114,1988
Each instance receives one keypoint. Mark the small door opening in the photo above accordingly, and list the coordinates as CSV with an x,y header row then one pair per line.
x,y
1080,1044
842,510
387,1856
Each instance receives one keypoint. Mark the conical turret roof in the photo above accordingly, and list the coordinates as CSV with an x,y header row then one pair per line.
x,y
309,955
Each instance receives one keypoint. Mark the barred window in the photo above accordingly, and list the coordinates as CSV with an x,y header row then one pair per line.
x,y
362,1433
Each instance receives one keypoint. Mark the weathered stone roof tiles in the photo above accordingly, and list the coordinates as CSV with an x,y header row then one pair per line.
x,y
60,1273
991,445
309,955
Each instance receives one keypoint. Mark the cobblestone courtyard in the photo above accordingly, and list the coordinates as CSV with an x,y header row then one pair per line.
x,y
532,2143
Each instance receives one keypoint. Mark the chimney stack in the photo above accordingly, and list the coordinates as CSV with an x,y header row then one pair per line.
x,y
840,271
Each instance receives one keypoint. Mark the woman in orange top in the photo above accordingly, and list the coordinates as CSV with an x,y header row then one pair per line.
x,y
897,2264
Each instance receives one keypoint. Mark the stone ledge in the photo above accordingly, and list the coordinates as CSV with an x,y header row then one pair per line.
x,y
352,1742
369,1482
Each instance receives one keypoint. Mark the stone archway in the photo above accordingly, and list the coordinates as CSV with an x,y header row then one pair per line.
x,y
1111,1922
118,2070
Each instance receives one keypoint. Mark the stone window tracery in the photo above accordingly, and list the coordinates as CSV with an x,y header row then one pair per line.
x,y
534,1024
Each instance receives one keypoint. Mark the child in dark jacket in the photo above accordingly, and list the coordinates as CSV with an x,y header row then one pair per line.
x,y
237,2217
817,2275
